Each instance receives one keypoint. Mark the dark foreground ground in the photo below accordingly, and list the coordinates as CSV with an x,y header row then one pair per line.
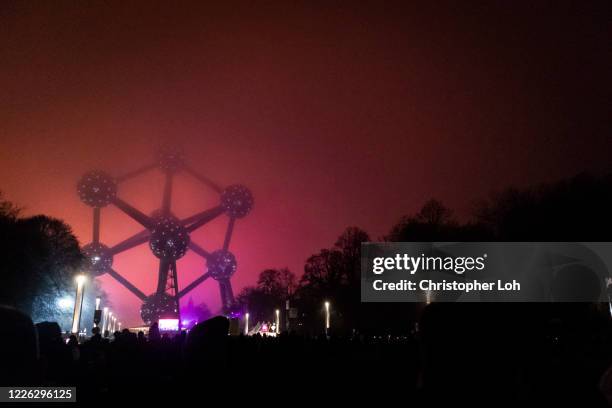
x,y
462,354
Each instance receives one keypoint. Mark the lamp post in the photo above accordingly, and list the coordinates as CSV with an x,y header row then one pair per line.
x,y
277,321
326,316
246,324
97,312
104,320
78,304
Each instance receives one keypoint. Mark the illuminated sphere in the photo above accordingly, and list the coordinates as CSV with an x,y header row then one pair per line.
x,y
156,306
98,258
221,264
170,159
97,189
169,239
237,201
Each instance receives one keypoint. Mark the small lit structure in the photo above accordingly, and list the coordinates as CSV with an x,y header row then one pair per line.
x,y
246,324
78,304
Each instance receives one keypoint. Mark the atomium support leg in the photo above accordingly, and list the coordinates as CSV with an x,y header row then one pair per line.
x,y
175,291
193,285
228,233
96,225
140,217
136,172
202,218
204,180
162,279
227,295
133,241
127,284
167,199
199,250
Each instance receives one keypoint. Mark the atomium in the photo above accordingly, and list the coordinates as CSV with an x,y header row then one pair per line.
x,y
237,201
98,257
168,236
169,239
156,306
97,189
221,264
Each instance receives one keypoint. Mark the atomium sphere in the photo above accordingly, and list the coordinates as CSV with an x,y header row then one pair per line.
x,y
156,306
237,201
221,264
170,158
97,189
98,258
169,239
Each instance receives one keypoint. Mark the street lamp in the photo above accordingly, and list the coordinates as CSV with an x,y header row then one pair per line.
x,y
246,324
277,321
326,316
97,312
104,320
78,304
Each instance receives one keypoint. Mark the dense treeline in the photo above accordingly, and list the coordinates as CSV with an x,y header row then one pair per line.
x,y
577,209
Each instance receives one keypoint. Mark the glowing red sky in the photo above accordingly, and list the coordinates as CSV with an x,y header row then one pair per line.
x,y
334,115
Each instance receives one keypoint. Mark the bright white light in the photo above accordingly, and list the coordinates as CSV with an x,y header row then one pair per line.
x,y
327,315
80,279
168,324
65,302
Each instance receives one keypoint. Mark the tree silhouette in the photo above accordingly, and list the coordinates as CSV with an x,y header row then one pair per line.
x,y
274,286
279,283
40,256
577,209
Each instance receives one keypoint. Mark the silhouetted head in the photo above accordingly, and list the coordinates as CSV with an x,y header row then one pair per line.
x,y
206,342
154,332
72,340
49,334
19,351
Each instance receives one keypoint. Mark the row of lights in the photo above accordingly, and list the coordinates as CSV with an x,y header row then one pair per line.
x,y
109,321
277,314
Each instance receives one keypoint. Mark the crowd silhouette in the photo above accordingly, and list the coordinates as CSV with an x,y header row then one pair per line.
x,y
456,354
